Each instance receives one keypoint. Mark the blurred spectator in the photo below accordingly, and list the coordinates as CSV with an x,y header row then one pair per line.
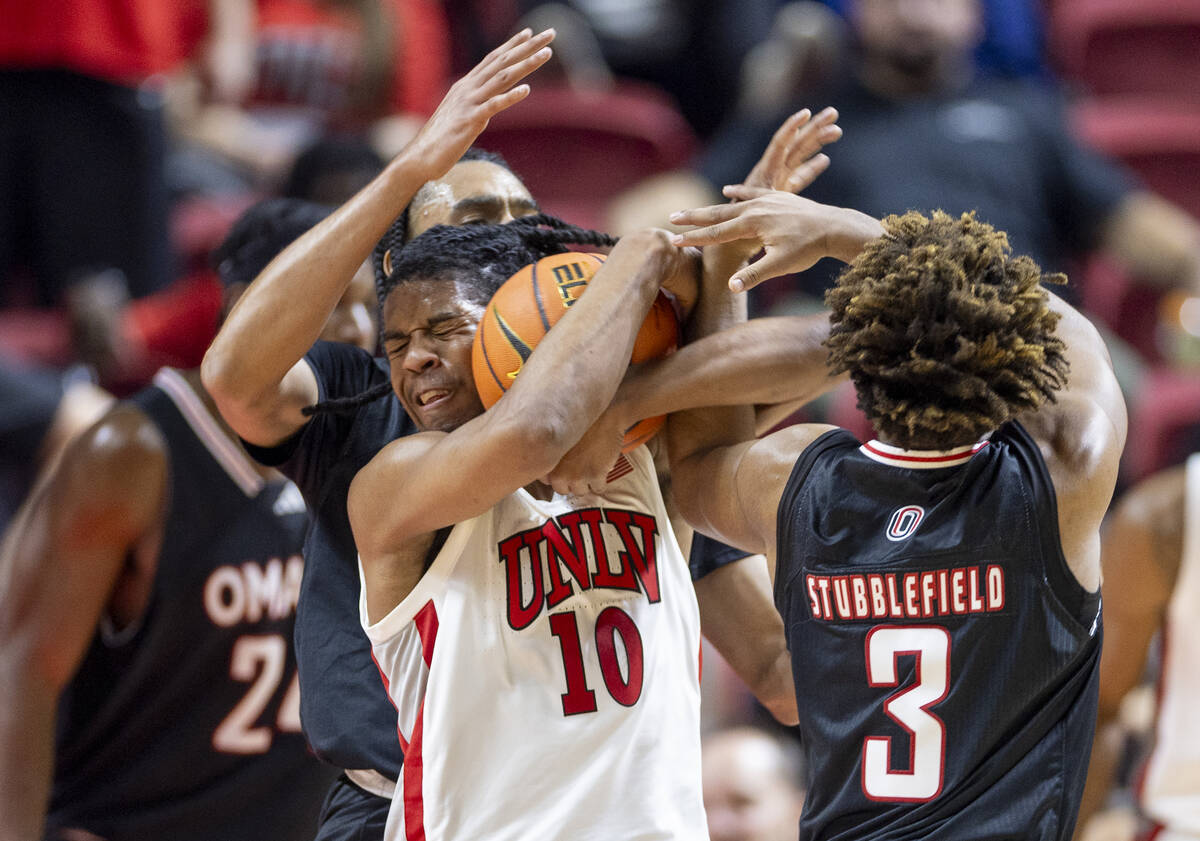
x,y
1151,557
692,49
1013,41
753,785
127,341
923,130
82,139
321,66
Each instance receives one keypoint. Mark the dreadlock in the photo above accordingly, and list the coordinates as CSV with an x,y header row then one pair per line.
x,y
479,258
945,335
396,236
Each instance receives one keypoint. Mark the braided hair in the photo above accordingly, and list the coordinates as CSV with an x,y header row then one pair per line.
x,y
396,236
479,258
260,233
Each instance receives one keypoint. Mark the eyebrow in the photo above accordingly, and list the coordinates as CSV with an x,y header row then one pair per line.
x,y
438,318
492,202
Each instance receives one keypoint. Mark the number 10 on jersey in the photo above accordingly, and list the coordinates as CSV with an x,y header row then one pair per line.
x,y
610,624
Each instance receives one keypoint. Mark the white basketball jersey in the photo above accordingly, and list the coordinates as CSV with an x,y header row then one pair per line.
x,y
546,674
1171,790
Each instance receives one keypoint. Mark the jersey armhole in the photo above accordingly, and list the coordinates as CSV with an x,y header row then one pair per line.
x,y
1079,602
785,516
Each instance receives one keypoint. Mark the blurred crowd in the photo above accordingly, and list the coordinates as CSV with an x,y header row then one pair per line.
x,y
135,132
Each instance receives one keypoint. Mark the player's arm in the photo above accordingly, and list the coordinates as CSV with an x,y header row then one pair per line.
x,y
254,367
60,561
1081,434
738,616
729,485
1141,548
422,483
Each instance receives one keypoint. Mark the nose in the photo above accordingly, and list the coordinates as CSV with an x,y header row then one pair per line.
x,y
419,356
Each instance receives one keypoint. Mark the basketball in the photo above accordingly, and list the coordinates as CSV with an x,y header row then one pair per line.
x,y
531,302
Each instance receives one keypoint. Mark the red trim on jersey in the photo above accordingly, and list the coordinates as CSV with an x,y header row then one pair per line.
x,y
1152,833
960,454
414,766
387,689
426,621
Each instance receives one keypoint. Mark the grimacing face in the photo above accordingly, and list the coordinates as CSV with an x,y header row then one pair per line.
x,y
429,327
472,191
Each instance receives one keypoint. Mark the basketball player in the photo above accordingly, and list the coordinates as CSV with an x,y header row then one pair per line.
x,y
147,618
1151,549
263,374
494,605
939,586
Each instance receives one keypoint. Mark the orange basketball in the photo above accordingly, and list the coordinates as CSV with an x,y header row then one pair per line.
x,y
531,302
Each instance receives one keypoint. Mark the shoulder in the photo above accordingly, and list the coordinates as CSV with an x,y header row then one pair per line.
x,y
769,463
112,478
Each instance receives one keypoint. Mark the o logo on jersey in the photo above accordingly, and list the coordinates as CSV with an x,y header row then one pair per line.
x,y
904,522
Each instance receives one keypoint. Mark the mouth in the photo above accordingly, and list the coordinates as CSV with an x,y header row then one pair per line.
x,y
432,396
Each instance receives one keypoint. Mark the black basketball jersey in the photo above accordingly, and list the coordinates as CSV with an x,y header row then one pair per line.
x,y
186,725
945,657
347,716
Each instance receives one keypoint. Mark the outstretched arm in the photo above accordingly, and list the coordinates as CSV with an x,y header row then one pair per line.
x,y
425,482
59,563
727,484
254,368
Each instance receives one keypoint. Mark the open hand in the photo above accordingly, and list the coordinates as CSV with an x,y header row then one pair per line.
x,y
793,231
487,89
791,161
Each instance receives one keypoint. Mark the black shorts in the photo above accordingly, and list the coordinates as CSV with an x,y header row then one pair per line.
x,y
352,814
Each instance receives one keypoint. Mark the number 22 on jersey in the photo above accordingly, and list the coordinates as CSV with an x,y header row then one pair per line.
x,y
909,708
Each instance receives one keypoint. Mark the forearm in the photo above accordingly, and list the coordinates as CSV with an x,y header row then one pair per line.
x,y
26,751
762,361
282,313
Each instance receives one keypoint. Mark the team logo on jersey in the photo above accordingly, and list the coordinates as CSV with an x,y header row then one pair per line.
x,y
904,522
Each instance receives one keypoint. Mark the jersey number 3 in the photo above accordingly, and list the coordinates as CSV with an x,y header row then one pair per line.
x,y
909,708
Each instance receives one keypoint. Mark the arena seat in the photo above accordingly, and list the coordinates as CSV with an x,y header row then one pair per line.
x,y
1163,416
1124,46
576,149
1158,139
1128,306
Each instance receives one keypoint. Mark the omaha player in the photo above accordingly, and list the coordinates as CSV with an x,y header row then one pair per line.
x,y
147,615
939,585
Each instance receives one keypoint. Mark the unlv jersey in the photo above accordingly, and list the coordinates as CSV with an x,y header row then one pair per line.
x,y
945,657
546,674
186,725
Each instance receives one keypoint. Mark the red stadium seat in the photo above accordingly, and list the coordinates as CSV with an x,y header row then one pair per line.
x,y
1158,139
1161,417
1129,307
576,149
1130,46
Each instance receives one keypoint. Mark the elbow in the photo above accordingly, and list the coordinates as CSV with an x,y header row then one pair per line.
x,y
533,443
218,375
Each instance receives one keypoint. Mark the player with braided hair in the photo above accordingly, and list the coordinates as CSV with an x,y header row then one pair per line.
x,y
486,594
940,585
481,256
